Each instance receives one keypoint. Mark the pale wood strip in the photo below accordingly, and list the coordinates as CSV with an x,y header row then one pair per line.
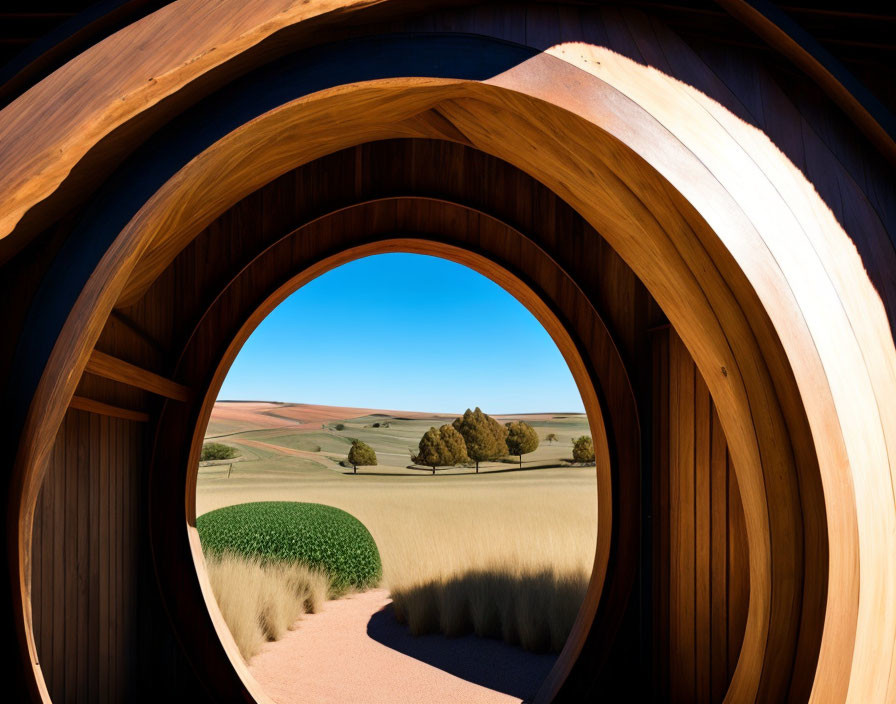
x,y
110,367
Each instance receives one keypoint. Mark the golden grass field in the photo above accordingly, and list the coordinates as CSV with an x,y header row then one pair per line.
x,y
505,553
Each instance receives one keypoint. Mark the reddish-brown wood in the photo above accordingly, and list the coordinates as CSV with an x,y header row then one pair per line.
x,y
720,664
466,230
759,224
85,594
612,285
699,617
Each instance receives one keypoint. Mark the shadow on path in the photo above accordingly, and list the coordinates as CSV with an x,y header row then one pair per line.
x,y
484,661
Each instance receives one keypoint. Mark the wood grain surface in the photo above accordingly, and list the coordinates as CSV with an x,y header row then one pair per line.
x,y
701,586
757,224
110,367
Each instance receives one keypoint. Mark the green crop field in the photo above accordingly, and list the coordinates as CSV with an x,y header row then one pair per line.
x,y
317,536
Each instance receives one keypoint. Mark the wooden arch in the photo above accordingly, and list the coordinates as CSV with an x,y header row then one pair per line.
x,y
784,302
449,231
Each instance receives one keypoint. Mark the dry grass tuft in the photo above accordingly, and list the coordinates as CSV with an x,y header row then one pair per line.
x,y
261,601
516,575
533,610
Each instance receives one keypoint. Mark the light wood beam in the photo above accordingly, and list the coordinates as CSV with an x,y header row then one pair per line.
x,y
110,367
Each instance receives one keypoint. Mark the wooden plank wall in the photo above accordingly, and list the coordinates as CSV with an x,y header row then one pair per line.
x,y
701,579
84,573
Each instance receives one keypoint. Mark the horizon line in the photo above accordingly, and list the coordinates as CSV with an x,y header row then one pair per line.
x,y
401,410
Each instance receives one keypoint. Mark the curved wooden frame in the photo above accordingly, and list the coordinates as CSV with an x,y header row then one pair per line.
x,y
761,281
618,456
685,301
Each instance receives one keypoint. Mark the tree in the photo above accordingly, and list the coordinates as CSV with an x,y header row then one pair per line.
x,y
455,446
551,438
217,451
441,448
360,453
485,438
521,439
429,450
583,449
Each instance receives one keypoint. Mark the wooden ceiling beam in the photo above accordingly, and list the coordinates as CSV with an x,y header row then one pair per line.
x,y
82,403
109,367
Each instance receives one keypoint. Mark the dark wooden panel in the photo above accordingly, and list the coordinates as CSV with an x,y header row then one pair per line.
x,y
84,589
661,502
701,578
721,668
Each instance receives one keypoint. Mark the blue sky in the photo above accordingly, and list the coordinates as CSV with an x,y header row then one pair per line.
x,y
404,332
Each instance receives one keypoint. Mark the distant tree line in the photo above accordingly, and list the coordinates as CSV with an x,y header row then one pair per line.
x,y
473,437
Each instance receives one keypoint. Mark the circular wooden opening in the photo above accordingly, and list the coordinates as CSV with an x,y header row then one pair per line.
x,y
542,310
694,256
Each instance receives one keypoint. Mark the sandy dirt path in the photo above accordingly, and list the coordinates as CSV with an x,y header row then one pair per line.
x,y
354,652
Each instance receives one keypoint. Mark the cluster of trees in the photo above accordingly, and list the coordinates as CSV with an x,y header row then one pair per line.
x,y
474,437
441,447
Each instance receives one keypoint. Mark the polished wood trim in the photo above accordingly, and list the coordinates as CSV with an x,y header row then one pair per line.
x,y
82,403
110,367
